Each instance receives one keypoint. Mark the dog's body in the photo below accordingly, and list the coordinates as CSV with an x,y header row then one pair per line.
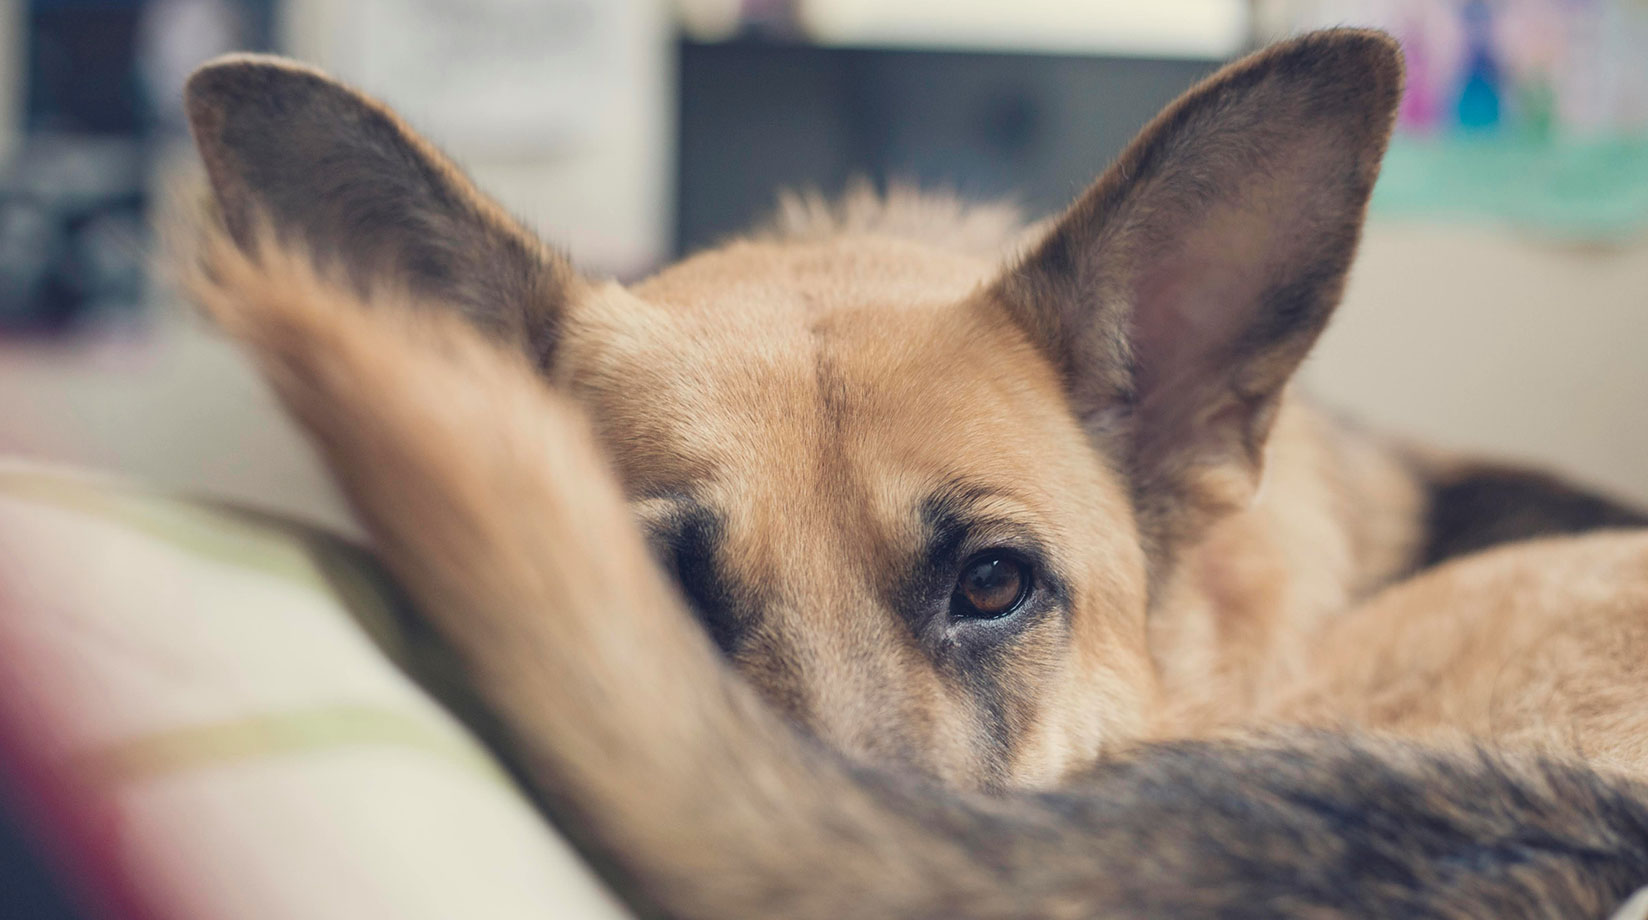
x,y
979,520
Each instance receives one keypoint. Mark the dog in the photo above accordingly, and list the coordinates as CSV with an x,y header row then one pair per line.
x,y
867,567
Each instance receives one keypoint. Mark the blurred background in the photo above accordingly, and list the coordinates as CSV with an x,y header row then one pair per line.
x,y
1500,303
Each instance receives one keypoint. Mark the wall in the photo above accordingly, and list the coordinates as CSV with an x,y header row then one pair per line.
x,y
1486,340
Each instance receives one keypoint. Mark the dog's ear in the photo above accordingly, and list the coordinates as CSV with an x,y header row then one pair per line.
x,y
1181,291
337,173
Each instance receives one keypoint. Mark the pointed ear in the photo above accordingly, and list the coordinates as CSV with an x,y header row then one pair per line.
x,y
339,174
1180,293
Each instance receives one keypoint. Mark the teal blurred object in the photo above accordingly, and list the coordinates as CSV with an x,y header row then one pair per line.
x,y
1573,190
1478,107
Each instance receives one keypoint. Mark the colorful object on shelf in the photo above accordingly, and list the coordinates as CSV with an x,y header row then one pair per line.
x,y
1420,110
1527,112
1478,106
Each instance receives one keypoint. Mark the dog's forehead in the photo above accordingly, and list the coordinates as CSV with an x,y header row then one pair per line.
x,y
787,364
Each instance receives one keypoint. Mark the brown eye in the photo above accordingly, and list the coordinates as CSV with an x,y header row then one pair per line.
x,y
992,584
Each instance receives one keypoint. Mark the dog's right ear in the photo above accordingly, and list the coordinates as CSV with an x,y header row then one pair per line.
x,y
336,173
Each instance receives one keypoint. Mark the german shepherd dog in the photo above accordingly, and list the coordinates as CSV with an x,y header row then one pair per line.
x,y
869,566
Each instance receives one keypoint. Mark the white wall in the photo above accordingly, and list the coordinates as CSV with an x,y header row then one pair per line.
x,y
1480,338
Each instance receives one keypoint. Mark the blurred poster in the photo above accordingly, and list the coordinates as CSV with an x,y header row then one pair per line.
x,y
1532,112
506,77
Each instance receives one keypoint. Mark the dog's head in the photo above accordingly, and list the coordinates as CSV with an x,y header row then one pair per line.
x,y
918,495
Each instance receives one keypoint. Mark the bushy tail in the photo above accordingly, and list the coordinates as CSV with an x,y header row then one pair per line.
x,y
487,497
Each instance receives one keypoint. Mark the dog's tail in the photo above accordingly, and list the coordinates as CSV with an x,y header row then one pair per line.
x,y
487,497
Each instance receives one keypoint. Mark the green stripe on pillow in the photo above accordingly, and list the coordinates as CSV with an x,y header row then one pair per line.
x,y
276,736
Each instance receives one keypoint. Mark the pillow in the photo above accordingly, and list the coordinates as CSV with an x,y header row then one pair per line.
x,y
198,721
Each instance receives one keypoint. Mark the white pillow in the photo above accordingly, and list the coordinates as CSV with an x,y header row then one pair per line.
x,y
193,712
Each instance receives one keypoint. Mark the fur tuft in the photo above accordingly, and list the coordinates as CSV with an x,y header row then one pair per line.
x,y
903,212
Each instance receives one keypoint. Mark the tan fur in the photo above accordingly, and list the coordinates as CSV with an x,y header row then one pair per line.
x,y
489,498
1336,520
813,384
1542,645
808,409
317,341
814,497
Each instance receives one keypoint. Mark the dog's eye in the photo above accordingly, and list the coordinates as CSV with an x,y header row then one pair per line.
x,y
992,584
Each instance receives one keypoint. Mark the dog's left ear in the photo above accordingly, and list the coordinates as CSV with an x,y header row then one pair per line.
x,y
338,174
1180,293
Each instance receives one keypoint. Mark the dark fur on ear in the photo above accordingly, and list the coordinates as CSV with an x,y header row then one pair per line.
x,y
1180,293
341,175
